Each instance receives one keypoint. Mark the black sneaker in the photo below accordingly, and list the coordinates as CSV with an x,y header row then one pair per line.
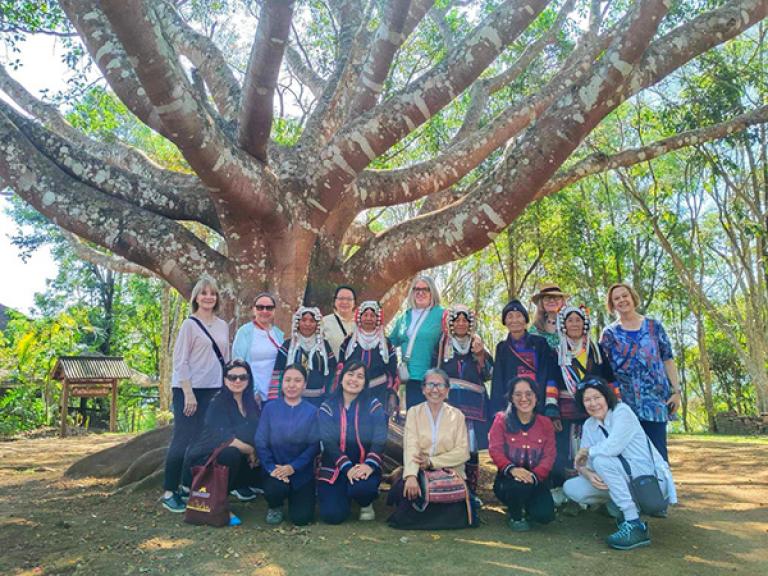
x,y
244,494
630,535
174,504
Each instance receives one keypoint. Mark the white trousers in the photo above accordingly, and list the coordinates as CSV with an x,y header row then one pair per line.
x,y
609,468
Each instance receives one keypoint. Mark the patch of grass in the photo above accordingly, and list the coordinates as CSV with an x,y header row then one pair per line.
x,y
709,437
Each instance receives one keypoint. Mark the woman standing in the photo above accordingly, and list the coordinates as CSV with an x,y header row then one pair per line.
x,y
522,445
417,332
258,342
368,345
468,364
308,348
549,301
520,354
232,418
339,325
578,357
201,350
611,438
287,443
641,357
353,432
435,438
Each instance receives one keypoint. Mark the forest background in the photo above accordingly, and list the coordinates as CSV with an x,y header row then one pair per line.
x,y
687,228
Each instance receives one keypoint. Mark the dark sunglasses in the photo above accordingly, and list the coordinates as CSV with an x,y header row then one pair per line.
x,y
236,377
261,307
423,290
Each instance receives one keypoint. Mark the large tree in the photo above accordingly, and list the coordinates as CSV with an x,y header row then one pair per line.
x,y
286,213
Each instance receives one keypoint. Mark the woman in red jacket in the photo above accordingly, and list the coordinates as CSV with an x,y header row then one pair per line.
x,y
522,445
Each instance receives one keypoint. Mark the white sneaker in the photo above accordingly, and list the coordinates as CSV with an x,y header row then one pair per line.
x,y
559,497
367,513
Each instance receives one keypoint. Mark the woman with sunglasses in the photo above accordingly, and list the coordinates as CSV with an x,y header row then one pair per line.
x,y
522,445
613,433
435,438
200,352
258,342
231,419
353,432
417,332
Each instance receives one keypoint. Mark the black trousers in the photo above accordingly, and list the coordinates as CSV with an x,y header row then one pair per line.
x,y
241,474
413,393
301,500
517,496
185,431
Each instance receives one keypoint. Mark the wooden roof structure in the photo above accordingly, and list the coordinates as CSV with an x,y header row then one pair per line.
x,y
90,377
84,369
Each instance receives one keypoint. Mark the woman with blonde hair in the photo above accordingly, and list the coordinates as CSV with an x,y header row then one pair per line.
x,y
199,356
417,332
549,300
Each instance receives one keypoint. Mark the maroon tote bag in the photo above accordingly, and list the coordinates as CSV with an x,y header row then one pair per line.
x,y
209,496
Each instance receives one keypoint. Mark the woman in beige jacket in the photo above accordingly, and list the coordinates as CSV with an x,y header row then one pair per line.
x,y
435,438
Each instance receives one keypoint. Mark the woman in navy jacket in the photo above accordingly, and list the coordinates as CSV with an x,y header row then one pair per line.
x,y
353,431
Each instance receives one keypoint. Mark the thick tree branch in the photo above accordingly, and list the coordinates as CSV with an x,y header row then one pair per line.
x,y
105,50
261,77
241,186
494,201
110,261
599,162
304,72
355,146
152,241
205,56
381,188
170,194
399,19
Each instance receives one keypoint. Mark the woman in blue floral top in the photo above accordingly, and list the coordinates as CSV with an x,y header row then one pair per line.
x,y
641,357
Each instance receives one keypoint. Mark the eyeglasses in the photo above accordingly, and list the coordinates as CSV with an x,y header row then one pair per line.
x,y
236,377
416,290
436,385
262,307
521,395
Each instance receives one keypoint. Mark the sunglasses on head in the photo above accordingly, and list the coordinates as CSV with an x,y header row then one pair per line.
x,y
261,307
588,382
236,377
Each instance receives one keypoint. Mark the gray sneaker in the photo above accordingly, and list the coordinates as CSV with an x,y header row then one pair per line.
x,y
630,535
274,516
519,525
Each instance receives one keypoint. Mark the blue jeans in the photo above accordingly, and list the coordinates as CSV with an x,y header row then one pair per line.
x,y
657,433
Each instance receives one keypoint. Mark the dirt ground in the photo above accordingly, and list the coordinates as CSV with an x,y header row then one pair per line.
x,y
51,525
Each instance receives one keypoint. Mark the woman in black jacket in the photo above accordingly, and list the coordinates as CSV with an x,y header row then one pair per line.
x,y
232,418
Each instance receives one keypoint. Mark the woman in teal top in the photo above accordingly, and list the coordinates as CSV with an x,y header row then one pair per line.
x,y
422,322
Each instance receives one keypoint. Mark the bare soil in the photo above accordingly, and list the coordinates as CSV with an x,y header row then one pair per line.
x,y
51,525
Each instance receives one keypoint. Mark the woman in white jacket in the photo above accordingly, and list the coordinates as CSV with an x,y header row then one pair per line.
x,y
613,430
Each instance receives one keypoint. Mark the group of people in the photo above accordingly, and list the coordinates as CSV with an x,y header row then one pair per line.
x,y
306,418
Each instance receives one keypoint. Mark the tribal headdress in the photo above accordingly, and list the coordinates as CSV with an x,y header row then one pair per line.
x,y
569,348
309,344
369,340
451,342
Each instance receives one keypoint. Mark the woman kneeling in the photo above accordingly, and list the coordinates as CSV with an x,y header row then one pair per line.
x,y
287,443
612,439
353,431
522,445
